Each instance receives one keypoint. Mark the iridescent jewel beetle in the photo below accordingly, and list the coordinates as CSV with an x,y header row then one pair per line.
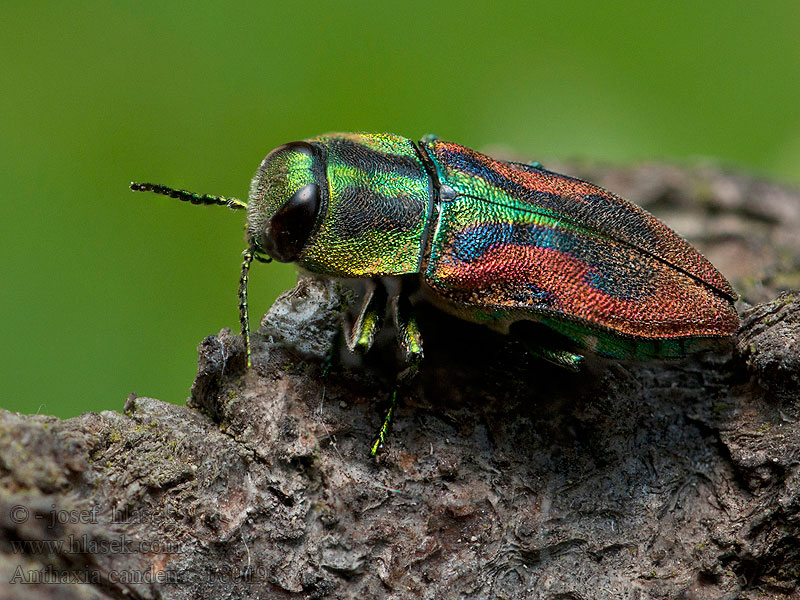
x,y
486,240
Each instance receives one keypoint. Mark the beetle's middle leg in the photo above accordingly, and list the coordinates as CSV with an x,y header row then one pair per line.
x,y
410,341
408,335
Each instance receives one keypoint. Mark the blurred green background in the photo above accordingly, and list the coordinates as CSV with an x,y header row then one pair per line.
x,y
105,292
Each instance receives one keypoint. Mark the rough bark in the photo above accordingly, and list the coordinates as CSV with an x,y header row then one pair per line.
x,y
502,477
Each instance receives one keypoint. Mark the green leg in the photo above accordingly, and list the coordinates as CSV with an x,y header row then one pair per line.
x,y
360,335
560,358
408,335
378,443
333,352
410,341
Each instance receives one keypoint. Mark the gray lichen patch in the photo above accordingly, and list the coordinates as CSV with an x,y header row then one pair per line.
x,y
307,316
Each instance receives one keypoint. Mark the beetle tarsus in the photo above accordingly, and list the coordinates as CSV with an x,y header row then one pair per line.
x,y
332,355
378,443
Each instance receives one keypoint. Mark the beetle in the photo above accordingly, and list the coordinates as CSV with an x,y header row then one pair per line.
x,y
486,240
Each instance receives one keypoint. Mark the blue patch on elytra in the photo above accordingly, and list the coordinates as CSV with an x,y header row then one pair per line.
x,y
471,243
613,274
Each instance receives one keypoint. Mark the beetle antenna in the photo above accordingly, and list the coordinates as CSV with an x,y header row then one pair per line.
x,y
186,196
244,317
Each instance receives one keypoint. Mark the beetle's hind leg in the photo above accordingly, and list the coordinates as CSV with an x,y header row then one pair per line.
x,y
560,358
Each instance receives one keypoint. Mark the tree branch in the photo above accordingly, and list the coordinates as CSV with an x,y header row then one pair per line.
x,y
502,477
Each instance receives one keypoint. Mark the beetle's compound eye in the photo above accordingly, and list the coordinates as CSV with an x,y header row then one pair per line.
x,y
289,229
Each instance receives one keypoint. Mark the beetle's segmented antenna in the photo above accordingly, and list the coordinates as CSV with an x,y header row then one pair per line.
x,y
186,196
244,318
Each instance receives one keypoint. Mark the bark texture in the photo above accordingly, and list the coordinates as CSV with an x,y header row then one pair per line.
x,y
503,477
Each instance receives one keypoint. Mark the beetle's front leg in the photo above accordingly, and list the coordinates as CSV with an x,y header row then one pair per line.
x,y
359,336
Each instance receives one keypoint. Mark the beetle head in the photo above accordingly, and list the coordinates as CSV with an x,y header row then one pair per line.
x,y
285,201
